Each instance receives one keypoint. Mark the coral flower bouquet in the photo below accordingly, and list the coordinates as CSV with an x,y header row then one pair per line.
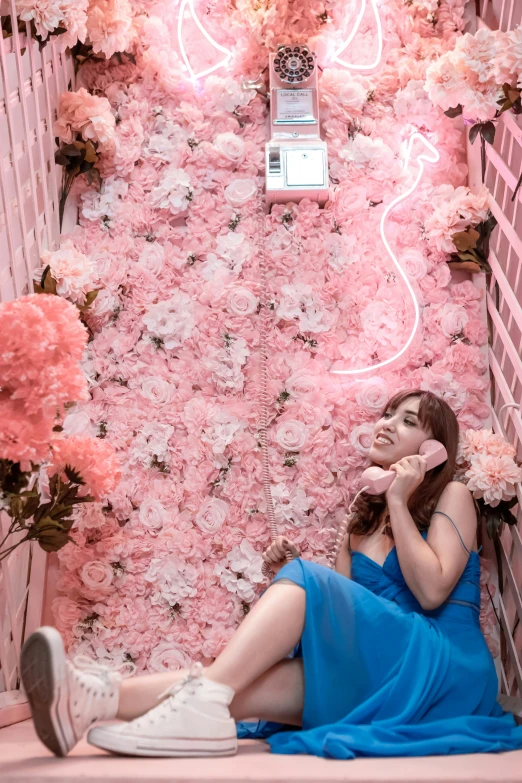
x,y
43,474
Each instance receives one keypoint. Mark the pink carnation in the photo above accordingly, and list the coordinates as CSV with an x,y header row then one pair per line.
x,y
42,344
95,460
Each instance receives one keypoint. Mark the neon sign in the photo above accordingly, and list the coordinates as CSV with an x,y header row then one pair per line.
x,y
375,63
429,155
187,10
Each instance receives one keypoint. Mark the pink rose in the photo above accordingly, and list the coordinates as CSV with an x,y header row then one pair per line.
x,y
372,395
167,657
239,191
153,515
414,264
241,301
453,319
350,200
212,515
157,390
301,383
361,438
291,435
230,146
97,575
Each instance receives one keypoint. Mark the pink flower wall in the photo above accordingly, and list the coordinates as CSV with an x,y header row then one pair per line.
x,y
167,568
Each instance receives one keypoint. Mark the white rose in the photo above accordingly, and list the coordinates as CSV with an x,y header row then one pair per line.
x,y
96,575
167,658
373,395
152,514
230,146
157,390
239,191
301,383
453,319
241,301
361,438
211,515
291,435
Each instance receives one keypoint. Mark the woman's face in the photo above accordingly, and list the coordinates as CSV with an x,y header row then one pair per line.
x,y
398,434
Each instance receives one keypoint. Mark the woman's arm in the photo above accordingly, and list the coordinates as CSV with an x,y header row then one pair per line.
x,y
343,564
433,567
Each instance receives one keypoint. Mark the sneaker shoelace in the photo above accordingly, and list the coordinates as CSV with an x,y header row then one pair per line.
x,y
109,677
192,678
87,665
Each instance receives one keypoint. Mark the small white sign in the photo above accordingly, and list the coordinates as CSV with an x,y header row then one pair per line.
x,y
305,167
295,106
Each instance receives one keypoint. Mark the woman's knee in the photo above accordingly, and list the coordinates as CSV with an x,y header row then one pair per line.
x,y
278,695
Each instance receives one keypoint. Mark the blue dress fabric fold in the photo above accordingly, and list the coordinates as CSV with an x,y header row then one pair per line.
x,y
383,677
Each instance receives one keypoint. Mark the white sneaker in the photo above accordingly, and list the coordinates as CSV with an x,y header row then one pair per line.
x,y
64,700
193,720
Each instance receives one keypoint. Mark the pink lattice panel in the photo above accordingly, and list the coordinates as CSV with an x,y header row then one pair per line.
x,y
30,83
504,298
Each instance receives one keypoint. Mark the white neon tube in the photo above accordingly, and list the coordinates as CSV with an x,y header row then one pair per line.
x,y
375,63
423,157
195,76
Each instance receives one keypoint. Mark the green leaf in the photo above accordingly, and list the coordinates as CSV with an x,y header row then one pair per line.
x,y
60,159
30,507
73,475
454,112
71,150
474,131
488,132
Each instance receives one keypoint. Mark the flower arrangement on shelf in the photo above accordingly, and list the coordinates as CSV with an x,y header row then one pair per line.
x,y
45,476
85,126
69,273
103,27
480,78
487,465
461,225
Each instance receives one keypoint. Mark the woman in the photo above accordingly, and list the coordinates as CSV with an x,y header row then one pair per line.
x,y
387,653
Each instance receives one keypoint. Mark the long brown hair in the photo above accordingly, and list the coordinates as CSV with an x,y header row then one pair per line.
x,y
435,414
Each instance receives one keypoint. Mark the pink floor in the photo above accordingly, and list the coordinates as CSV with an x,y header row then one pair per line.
x,y
24,760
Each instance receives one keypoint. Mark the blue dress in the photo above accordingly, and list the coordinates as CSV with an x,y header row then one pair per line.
x,y
383,677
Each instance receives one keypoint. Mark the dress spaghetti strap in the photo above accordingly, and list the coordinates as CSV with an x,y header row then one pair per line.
x,y
457,530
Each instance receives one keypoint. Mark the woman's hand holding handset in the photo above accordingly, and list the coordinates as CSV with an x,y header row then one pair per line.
x,y
275,555
410,472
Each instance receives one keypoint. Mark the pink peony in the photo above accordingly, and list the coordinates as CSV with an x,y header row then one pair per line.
x,y
73,271
475,442
493,478
90,115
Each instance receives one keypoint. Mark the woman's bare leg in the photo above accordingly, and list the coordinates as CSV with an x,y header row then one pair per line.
x,y
278,695
265,637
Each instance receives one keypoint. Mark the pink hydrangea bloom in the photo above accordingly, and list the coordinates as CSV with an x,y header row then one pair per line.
x,y
94,459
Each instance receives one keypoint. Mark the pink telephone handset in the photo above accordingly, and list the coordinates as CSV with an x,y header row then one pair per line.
x,y
378,480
